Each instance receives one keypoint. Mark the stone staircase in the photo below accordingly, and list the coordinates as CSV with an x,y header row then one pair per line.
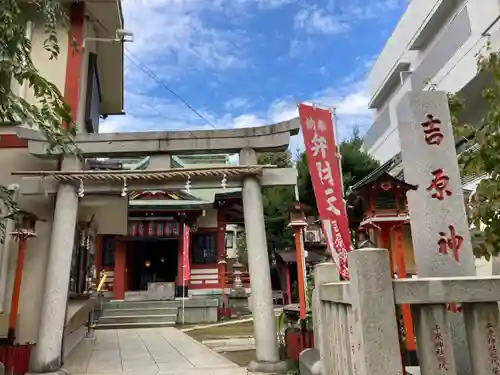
x,y
138,314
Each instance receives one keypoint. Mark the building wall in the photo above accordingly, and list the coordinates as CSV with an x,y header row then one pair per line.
x,y
52,70
447,61
14,156
209,220
234,230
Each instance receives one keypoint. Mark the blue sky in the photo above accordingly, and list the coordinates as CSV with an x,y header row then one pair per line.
x,y
245,63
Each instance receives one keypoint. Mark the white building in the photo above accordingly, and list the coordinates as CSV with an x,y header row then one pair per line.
x,y
434,44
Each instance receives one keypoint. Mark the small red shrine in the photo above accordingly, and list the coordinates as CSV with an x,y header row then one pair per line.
x,y
378,210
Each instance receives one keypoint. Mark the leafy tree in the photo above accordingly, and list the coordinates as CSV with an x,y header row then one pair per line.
x,y
51,115
276,201
356,164
482,158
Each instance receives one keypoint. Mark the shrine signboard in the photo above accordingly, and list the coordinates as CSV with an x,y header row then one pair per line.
x,y
322,160
439,227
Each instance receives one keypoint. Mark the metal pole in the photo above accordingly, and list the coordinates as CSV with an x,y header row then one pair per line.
x,y
333,112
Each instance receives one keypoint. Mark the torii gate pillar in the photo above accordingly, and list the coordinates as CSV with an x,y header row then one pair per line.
x,y
264,321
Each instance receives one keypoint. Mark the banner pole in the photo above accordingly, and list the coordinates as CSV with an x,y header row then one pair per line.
x,y
333,112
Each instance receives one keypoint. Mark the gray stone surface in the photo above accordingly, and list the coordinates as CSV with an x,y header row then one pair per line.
x,y
161,291
202,314
268,138
376,343
437,290
230,344
323,273
431,326
165,351
309,363
481,321
258,260
263,367
429,215
46,356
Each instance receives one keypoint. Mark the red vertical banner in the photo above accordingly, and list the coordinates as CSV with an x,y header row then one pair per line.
x,y
321,151
186,270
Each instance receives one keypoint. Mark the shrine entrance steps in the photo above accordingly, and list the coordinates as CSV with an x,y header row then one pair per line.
x,y
138,314
151,314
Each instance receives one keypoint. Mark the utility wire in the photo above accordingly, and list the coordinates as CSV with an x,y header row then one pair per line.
x,y
144,68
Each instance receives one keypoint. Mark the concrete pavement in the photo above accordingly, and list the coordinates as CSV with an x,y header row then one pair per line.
x,y
155,351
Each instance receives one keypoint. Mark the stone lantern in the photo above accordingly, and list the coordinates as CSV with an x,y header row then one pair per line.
x,y
238,298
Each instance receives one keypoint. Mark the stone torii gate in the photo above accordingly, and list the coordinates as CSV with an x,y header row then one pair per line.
x,y
160,146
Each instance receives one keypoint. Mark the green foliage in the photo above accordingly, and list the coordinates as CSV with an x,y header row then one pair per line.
x,y
481,159
276,201
50,112
356,164
241,248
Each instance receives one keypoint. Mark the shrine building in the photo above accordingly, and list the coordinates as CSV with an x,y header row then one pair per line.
x,y
378,210
150,254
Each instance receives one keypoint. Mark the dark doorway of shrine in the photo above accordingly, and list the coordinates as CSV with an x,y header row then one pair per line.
x,y
151,261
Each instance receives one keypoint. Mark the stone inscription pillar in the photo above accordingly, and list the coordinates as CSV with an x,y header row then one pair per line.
x,y
46,357
264,320
440,231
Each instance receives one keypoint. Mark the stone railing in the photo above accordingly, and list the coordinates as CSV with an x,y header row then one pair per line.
x,y
356,329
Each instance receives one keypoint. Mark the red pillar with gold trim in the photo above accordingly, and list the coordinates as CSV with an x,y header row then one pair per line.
x,y
221,241
119,272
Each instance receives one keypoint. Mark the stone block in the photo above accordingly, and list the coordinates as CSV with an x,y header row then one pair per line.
x,y
161,291
309,362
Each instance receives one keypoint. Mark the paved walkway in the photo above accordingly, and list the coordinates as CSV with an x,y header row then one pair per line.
x,y
156,351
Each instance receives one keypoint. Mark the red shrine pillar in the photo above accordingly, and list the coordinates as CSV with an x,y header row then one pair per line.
x,y
221,242
183,260
120,269
384,242
178,279
401,265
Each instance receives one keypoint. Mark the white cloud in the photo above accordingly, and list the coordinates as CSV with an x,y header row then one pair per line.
x,y
175,33
338,16
318,21
170,34
237,104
